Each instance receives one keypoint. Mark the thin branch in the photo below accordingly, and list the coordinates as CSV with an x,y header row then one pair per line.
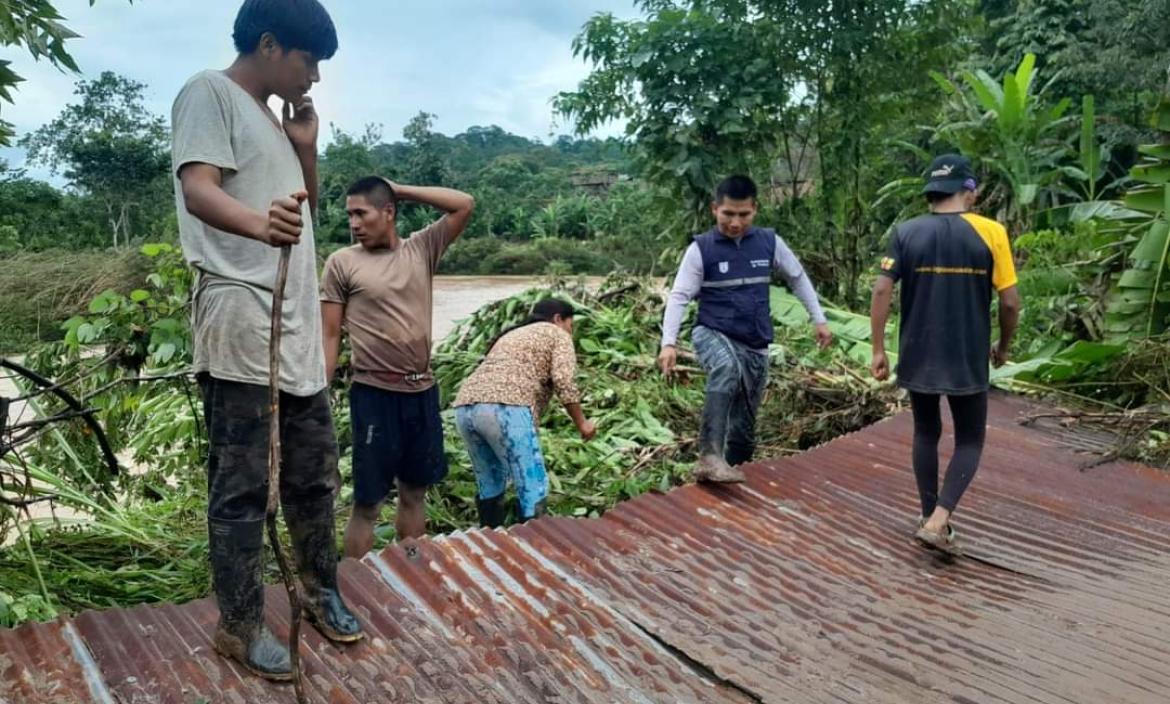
x,y
617,292
24,503
129,379
1083,415
41,422
41,391
290,580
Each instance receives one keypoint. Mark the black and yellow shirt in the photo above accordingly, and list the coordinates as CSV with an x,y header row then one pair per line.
x,y
949,265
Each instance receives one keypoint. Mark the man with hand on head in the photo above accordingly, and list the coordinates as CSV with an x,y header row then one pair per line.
x,y
380,292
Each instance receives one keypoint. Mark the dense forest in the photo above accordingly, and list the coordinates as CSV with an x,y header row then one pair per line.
x,y
560,208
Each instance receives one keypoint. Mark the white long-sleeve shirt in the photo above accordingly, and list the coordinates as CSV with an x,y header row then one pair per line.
x,y
689,281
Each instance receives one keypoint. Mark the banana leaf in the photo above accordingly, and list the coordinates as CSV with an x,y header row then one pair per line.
x,y
1069,363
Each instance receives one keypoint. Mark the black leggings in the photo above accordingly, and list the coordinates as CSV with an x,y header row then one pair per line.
x,y
970,416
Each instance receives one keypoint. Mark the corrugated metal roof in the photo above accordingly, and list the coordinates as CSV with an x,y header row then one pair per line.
x,y
801,586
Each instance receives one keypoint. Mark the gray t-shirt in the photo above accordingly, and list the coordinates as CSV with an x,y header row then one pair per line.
x,y
215,121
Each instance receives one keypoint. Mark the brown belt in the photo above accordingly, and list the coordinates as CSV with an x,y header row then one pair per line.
x,y
395,378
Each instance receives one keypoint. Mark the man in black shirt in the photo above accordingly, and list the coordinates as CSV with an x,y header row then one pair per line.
x,y
949,263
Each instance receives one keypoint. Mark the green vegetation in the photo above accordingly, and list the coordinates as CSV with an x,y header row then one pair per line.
x,y
834,114
36,26
40,290
145,539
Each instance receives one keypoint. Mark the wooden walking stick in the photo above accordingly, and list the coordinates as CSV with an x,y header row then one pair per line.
x,y
290,580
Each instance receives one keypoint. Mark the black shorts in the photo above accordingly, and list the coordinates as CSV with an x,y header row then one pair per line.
x,y
395,436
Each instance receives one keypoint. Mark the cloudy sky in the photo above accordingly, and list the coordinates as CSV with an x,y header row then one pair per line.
x,y
471,62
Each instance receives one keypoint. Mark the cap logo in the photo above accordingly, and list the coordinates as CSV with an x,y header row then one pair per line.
x,y
944,171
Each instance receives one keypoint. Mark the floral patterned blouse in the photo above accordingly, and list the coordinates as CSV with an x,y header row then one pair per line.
x,y
524,368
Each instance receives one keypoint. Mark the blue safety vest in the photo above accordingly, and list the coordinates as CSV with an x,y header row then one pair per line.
x,y
737,277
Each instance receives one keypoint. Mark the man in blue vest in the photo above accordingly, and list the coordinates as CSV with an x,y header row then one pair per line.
x,y
730,270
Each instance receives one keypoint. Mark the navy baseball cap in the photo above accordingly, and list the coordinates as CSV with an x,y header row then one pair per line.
x,y
949,174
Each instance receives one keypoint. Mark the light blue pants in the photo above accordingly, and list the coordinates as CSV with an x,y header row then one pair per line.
x,y
502,443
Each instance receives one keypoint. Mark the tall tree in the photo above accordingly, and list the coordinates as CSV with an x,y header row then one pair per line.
x,y
428,164
108,146
1115,50
37,26
708,87
866,66
346,159
704,87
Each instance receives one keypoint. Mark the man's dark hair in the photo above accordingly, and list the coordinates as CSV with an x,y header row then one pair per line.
x,y
374,189
934,197
735,188
296,24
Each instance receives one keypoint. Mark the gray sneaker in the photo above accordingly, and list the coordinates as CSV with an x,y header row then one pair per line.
x,y
714,469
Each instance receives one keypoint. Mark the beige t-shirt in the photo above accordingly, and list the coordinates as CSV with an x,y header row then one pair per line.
x,y
388,300
215,121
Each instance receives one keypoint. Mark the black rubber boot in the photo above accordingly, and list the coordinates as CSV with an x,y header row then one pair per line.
x,y
540,509
711,466
738,454
237,551
311,528
491,511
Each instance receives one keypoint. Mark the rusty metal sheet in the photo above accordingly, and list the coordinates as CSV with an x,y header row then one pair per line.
x,y
801,586
47,663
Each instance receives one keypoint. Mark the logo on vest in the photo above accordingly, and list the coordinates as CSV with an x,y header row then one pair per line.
x,y
724,267
757,263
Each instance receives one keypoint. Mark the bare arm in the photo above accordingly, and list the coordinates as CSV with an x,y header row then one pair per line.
x,y
205,199
564,381
457,205
1009,320
332,314
879,315
585,427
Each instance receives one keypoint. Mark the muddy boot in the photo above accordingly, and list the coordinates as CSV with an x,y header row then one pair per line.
x,y
237,550
491,511
311,528
711,466
714,469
